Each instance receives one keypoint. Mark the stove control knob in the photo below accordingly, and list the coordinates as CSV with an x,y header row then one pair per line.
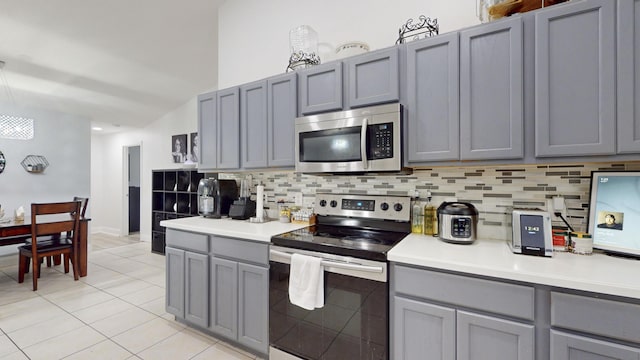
x,y
323,203
333,203
384,206
397,207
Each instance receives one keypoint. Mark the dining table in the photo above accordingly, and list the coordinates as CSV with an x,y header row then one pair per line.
x,y
18,231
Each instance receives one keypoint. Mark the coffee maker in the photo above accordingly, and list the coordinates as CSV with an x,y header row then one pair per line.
x,y
243,208
215,197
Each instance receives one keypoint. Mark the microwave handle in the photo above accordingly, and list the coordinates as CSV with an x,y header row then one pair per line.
x,y
363,144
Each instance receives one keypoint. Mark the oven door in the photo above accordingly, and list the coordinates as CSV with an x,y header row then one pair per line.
x,y
353,324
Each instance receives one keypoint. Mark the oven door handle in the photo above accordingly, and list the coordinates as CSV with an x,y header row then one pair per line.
x,y
363,143
335,264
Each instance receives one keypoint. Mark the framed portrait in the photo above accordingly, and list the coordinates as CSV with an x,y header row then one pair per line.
x,y
179,148
193,149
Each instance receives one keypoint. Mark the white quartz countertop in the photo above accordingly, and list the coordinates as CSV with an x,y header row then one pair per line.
x,y
597,272
232,228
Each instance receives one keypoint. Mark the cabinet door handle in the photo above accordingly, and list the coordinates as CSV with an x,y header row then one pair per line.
x,y
363,144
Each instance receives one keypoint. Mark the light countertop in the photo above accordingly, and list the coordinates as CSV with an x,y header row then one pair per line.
x,y
596,273
233,228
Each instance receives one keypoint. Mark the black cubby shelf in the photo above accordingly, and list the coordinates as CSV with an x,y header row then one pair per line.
x,y
174,195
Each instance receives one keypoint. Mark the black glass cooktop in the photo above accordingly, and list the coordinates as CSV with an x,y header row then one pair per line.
x,y
341,240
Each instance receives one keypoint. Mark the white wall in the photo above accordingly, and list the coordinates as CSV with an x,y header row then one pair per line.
x,y
108,184
65,142
253,35
253,42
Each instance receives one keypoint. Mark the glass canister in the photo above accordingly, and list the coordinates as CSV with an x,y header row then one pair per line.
x,y
303,41
303,38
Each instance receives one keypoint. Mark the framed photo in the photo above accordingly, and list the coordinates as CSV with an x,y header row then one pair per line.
x,y
193,153
179,148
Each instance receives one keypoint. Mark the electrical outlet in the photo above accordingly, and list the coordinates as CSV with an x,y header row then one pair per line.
x,y
297,199
557,204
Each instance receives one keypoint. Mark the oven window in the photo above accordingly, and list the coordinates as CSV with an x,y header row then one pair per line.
x,y
335,145
352,324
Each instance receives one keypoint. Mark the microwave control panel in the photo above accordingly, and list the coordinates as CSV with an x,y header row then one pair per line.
x,y
380,141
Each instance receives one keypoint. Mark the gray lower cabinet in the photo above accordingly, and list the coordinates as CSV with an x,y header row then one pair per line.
x,y
449,316
175,281
224,297
421,330
608,329
320,88
628,67
566,346
482,337
253,307
433,97
239,298
575,101
228,129
373,78
492,91
196,309
239,302
207,131
221,285
187,281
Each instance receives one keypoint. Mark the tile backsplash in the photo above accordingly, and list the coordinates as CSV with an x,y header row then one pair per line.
x,y
494,190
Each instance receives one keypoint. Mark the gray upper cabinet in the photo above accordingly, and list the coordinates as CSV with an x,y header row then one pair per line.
x,y
491,91
628,96
432,128
575,79
281,115
207,131
320,88
228,129
253,124
373,78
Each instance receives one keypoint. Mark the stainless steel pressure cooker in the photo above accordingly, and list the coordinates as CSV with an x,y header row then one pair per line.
x,y
457,222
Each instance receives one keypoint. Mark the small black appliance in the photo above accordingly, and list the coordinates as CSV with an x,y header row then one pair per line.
x,y
215,197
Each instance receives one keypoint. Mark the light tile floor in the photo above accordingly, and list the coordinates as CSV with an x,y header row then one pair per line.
x,y
116,312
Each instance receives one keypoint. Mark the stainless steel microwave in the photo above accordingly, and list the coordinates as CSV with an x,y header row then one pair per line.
x,y
359,140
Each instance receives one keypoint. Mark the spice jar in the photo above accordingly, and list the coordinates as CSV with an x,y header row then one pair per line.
x,y
560,239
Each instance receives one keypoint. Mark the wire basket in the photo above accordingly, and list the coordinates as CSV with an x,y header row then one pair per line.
x,y
35,163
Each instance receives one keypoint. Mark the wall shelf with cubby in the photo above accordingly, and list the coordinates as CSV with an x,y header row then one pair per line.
x,y
174,195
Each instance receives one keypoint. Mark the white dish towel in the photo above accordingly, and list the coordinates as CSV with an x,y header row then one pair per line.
x,y
306,282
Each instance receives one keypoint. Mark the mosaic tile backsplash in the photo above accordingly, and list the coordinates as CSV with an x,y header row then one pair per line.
x,y
494,190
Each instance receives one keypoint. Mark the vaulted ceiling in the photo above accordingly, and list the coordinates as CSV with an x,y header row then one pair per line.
x,y
120,63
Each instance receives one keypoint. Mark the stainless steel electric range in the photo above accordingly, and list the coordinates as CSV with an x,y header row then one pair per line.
x,y
352,236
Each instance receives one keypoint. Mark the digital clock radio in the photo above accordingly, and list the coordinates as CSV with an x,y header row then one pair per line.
x,y
531,232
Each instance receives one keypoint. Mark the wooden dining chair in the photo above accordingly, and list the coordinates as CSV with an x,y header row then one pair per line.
x,y
83,204
56,260
41,226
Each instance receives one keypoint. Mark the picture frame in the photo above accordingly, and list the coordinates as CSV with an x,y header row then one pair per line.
x,y
193,147
179,148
